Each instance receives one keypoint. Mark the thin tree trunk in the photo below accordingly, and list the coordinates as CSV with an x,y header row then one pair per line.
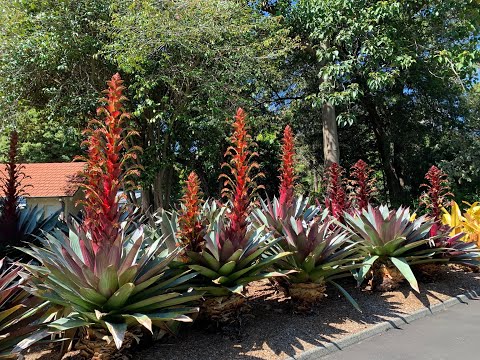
x,y
331,146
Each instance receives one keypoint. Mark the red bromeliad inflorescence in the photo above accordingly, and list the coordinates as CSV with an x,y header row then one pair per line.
x,y
287,171
191,228
11,186
239,185
361,184
437,192
106,171
336,196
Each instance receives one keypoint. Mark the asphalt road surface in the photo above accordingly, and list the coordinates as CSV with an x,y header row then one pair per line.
x,y
451,334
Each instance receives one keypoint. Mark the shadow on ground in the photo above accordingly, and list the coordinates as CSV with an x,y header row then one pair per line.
x,y
274,332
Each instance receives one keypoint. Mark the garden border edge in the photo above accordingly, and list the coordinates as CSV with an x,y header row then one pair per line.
x,y
377,329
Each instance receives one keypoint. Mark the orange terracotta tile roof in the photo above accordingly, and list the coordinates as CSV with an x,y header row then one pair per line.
x,y
49,179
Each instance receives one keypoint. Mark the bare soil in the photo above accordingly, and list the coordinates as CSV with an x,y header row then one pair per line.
x,y
271,330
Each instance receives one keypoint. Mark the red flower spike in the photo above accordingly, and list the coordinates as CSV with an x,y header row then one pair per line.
x,y
239,186
437,192
287,172
362,186
106,171
11,186
336,197
191,229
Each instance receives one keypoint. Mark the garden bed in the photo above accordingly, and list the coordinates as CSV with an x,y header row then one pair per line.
x,y
273,331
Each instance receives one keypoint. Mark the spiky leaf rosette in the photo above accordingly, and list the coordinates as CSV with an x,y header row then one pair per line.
x,y
336,197
130,285
225,268
361,185
109,166
321,251
437,192
191,229
271,213
391,237
287,171
451,248
239,185
22,316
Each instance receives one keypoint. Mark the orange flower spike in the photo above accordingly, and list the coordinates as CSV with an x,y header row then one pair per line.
x,y
190,227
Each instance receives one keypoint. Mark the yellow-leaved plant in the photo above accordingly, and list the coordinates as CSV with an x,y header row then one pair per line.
x,y
467,222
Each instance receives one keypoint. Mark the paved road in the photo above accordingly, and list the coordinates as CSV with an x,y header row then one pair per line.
x,y
451,334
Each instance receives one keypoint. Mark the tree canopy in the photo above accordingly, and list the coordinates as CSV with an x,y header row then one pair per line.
x,y
401,79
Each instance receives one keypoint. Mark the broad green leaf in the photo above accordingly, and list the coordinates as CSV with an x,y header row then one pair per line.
x,y
120,297
406,271
118,332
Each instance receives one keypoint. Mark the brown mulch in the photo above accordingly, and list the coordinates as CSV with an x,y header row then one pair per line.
x,y
272,330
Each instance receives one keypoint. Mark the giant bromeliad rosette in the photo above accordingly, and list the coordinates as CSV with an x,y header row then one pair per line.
x,y
392,241
320,250
108,279
230,253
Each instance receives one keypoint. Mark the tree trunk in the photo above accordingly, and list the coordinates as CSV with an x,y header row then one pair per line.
x,y
387,151
331,147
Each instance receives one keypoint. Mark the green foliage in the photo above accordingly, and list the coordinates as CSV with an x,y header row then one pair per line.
x,y
51,71
391,236
129,286
191,63
21,315
378,61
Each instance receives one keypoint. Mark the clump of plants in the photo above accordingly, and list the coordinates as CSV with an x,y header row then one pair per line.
x,y
320,253
454,246
391,242
320,250
111,282
231,253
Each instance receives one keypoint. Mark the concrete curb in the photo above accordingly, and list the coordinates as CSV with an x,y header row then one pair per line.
x,y
396,323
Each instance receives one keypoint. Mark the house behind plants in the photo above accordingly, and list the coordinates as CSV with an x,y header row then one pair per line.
x,y
51,186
